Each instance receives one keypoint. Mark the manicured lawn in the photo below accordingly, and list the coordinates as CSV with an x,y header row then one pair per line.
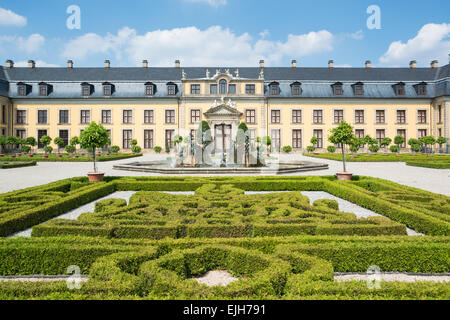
x,y
16,164
69,158
278,244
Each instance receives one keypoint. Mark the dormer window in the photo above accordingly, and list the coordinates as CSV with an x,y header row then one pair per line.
x,y
171,89
399,89
107,89
149,89
337,89
86,89
296,89
421,89
44,89
223,86
21,89
358,89
274,89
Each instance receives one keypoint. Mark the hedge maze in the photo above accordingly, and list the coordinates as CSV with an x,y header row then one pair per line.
x,y
278,244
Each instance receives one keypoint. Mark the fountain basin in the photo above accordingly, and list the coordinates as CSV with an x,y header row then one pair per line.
x,y
161,167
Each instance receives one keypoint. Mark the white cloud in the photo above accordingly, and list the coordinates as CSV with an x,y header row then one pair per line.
x,y
213,3
39,63
29,45
358,35
9,18
214,46
432,42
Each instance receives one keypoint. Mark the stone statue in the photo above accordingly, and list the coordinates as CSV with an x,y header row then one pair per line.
x,y
183,75
207,74
261,74
237,73
227,72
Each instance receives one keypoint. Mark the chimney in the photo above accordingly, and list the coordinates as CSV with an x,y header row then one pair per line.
x,y
434,64
177,64
413,64
145,64
368,64
294,64
331,64
9,64
70,64
107,64
31,64
261,64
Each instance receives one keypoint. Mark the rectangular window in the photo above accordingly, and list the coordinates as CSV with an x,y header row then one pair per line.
x,y
85,91
170,116
338,116
195,89
439,114
85,117
195,116
106,117
401,116
297,116
126,139
297,139
41,133
400,90
149,90
149,117
171,90
106,148
319,135
148,139
3,114
422,133
422,116
296,90
276,139
64,135
232,89
402,132
107,90
276,116
359,90
127,116
169,138
43,90
21,133
380,116
21,117
63,116
359,133
380,135
274,90
213,89
250,116
250,89
422,90
338,90
359,117
22,90
318,116
42,117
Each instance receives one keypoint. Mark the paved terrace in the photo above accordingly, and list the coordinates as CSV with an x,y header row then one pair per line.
x,y
433,180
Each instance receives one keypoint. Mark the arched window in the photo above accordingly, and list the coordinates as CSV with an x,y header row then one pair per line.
x,y
223,86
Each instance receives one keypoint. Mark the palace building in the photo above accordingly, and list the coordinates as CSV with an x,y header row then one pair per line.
x,y
289,104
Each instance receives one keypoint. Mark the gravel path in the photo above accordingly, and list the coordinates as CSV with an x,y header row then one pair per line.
x,y
217,278
436,180
392,277
40,278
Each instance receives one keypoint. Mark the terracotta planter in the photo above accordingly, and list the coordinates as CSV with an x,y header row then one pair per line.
x,y
30,155
59,155
2,155
45,156
96,177
18,154
12,156
344,176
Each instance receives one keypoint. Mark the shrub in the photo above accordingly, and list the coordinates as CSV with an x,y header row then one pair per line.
x,y
157,149
331,149
115,149
93,137
46,140
25,148
70,148
394,149
374,148
311,149
48,149
136,149
59,142
287,149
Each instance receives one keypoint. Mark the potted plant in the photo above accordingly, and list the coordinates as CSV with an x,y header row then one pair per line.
x,y
416,145
385,142
60,143
428,141
70,149
46,140
287,149
399,141
267,142
95,136
441,141
343,134
157,149
115,149
2,145
331,149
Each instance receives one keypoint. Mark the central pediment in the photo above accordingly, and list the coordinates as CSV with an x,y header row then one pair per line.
x,y
223,110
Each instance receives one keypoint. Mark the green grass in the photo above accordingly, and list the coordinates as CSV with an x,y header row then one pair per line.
x,y
281,247
68,158
381,157
16,164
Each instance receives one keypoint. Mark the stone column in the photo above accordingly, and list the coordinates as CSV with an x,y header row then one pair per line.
x,y
447,119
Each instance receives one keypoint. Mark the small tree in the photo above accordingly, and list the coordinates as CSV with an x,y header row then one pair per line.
x,y
157,149
46,140
331,149
356,144
441,141
95,136
394,149
428,141
267,141
203,137
60,143
399,141
385,143
415,144
3,142
115,149
287,149
344,135
70,148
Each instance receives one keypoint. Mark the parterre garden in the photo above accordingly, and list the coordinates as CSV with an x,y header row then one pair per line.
x,y
278,244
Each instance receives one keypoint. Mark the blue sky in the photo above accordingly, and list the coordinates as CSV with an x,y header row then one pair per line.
x,y
225,32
